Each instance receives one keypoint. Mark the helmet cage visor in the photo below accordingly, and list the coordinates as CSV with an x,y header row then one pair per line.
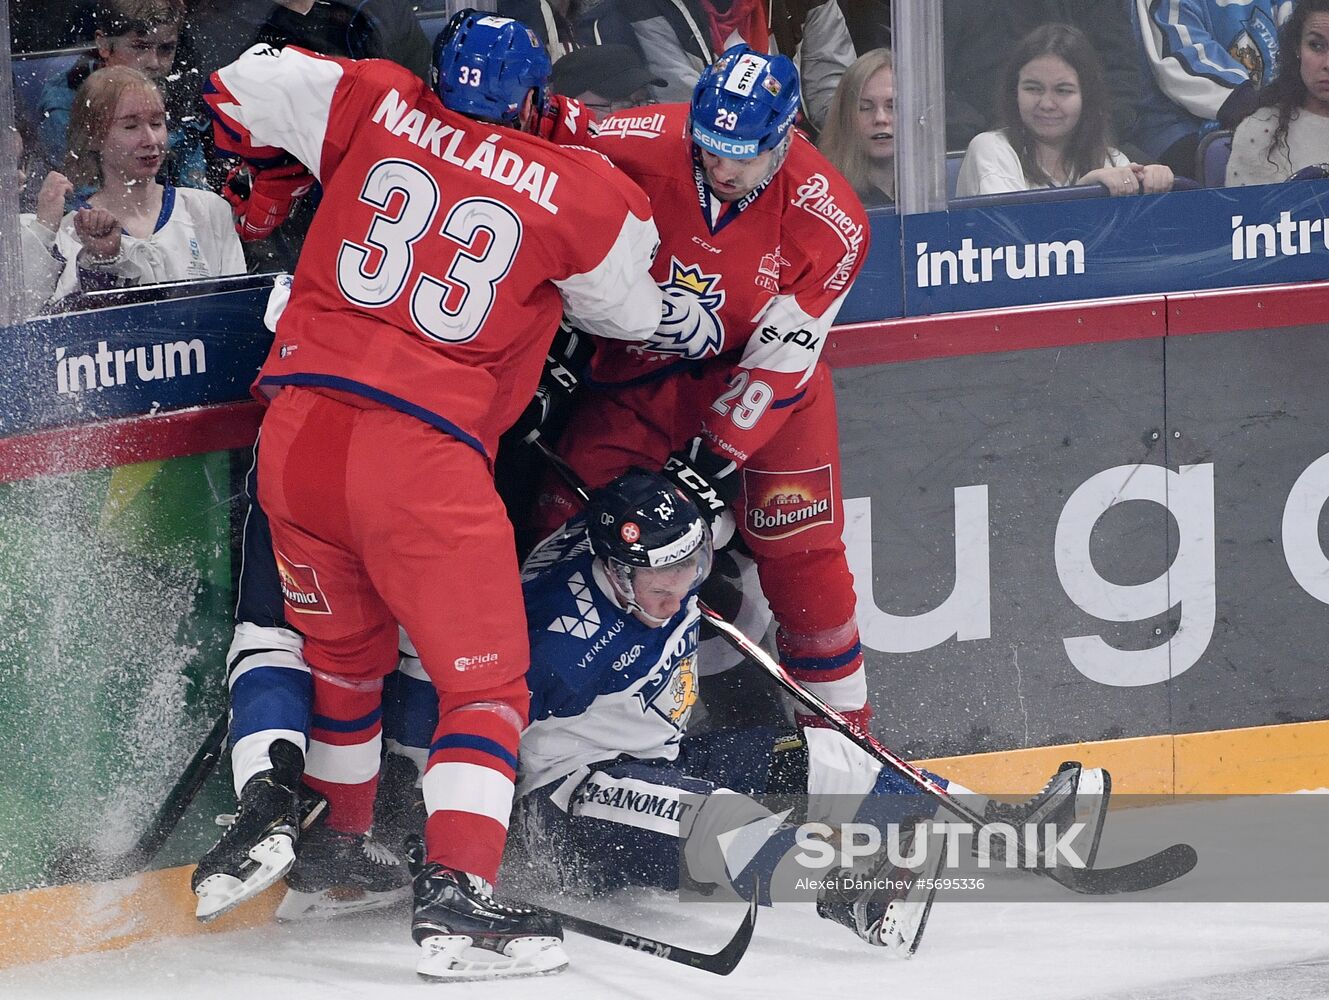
x,y
679,566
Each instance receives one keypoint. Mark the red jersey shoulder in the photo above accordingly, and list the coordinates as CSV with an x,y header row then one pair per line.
x,y
822,218
366,81
590,177
644,139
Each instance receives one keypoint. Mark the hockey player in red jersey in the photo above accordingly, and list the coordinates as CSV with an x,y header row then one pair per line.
x,y
761,239
447,246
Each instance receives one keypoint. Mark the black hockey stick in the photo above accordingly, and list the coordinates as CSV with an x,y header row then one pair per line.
x,y
1146,873
81,863
721,962
1157,869
181,795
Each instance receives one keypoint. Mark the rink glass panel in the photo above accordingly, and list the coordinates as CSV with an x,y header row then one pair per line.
x,y
115,604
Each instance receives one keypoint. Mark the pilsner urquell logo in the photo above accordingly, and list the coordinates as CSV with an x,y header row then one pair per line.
x,y
784,503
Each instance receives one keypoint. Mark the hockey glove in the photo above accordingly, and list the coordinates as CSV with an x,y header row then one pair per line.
x,y
262,199
548,411
562,120
711,482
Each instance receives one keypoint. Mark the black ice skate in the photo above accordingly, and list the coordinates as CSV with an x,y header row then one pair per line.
x,y
884,904
1075,794
337,873
258,846
465,934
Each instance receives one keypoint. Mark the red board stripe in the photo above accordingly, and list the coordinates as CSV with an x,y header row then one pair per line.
x,y
1266,308
234,425
131,439
990,331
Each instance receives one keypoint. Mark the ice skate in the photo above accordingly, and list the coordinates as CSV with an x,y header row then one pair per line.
x,y
1075,794
338,873
466,935
884,904
258,846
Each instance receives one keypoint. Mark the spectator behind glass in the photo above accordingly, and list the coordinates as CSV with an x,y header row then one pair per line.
x,y
859,137
133,230
142,34
679,38
37,230
869,23
978,36
1204,63
1291,131
1053,111
605,79
551,20
351,29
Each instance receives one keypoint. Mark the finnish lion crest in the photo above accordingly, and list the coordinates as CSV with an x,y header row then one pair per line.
x,y
691,324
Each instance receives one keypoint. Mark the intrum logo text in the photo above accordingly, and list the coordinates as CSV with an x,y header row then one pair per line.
x,y
108,367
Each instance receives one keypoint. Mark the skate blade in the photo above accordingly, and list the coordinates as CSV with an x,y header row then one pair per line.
x,y
903,923
451,958
221,892
336,902
1091,806
902,927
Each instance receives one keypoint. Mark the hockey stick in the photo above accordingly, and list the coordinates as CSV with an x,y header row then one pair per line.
x,y
721,962
1156,869
81,863
181,795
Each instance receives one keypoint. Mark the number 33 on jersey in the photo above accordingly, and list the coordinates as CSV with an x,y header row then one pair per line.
x,y
449,249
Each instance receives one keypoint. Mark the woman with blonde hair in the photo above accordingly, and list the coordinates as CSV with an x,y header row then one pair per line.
x,y
859,137
133,230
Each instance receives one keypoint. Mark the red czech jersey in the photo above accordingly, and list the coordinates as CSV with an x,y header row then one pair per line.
x,y
445,249
761,279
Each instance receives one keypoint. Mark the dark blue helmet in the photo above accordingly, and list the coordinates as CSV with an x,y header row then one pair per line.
x,y
744,103
485,65
641,520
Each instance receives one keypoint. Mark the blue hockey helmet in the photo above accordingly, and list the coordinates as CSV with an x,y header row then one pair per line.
x,y
744,103
641,523
485,65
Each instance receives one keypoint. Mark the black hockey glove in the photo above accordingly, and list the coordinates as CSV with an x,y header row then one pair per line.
x,y
548,410
711,482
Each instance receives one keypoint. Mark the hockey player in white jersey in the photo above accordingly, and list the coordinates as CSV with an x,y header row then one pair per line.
x,y
612,609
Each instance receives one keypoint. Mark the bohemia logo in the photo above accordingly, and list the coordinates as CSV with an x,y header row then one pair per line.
x,y
781,504
299,585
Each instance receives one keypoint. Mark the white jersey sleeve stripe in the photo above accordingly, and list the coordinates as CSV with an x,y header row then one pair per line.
x,y
282,98
788,340
617,298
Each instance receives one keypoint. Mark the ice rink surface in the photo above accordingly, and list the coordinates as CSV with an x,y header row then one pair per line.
x,y
1042,947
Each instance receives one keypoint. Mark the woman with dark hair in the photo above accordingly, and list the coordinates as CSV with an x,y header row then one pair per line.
x,y
1055,112
1290,131
859,137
